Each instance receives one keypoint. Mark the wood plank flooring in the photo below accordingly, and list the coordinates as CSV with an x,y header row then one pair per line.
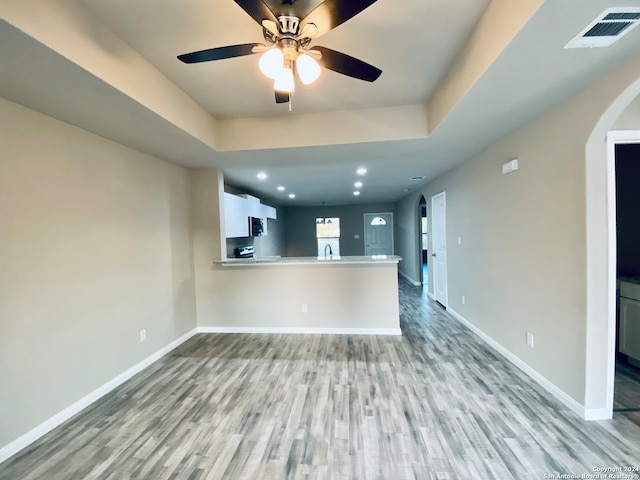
x,y
436,403
627,392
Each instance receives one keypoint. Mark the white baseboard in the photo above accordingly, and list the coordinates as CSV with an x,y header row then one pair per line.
x,y
300,330
598,414
535,375
409,279
31,436
431,295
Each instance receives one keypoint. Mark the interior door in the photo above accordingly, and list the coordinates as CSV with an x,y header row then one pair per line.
x,y
378,234
439,247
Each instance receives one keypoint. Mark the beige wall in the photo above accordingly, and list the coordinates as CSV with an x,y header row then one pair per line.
x,y
208,228
337,296
522,264
95,245
630,117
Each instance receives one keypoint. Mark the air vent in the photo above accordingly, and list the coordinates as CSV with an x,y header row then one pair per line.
x,y
609,27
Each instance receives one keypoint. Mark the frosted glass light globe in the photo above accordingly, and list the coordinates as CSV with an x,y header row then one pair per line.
x,y
308,69
284,81
270,62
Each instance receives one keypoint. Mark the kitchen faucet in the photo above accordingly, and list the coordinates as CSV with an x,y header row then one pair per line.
x,y
330,251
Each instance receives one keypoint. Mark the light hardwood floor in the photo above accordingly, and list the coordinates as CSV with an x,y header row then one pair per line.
x,y
436,403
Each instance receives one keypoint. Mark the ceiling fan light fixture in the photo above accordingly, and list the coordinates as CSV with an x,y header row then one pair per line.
x,y
271,62
307,68
284,81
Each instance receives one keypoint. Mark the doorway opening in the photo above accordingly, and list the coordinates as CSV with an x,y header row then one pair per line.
x,y
626,392
423,241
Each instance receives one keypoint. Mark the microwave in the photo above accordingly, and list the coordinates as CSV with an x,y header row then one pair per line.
x,y
256,226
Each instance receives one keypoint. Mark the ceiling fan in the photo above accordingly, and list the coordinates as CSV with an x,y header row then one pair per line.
x,y
288,27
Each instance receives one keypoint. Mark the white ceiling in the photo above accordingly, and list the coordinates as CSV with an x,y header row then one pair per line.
x,y
83,60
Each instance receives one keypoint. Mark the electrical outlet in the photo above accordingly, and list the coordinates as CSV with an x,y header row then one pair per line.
x,y
143,335
305,309
463,300
530,339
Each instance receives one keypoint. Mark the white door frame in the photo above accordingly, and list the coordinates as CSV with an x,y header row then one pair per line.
x,y
364,219
444,240
614,137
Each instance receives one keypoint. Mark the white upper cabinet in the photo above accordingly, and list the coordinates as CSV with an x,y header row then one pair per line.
x,y
268,212
236,216
253,206
238,209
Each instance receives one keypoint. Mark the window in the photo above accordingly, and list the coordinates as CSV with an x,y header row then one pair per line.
x,y
328,235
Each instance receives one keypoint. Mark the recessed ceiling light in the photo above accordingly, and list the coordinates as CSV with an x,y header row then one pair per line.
x,y
356,193
261,176
361,171
407,189
357,184
417,178
292,195
280,188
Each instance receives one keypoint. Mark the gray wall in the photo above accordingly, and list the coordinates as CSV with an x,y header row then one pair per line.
x,y
628,209
300,227
95,245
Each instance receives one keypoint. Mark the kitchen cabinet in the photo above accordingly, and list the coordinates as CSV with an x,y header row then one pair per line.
x,y
268,212
253,206
630,319
236,216
257,209
238,209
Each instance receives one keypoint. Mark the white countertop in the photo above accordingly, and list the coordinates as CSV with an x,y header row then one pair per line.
x,y
371,259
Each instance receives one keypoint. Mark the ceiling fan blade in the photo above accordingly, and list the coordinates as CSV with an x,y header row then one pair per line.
x,y
310,30
219,53
331,13
271,26
257,10
282,97
347,65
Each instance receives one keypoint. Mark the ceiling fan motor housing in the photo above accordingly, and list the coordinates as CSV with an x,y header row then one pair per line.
x,y
289,24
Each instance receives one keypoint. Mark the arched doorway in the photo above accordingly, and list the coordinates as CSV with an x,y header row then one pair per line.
x,y
423,238
601,255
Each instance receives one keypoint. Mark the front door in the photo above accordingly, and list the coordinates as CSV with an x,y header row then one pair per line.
x,y
439,247
378,234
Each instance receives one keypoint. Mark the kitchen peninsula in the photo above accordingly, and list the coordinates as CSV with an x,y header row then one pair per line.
x,y
343,295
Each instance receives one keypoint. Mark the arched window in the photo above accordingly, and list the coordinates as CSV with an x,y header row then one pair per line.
x,y
378,221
